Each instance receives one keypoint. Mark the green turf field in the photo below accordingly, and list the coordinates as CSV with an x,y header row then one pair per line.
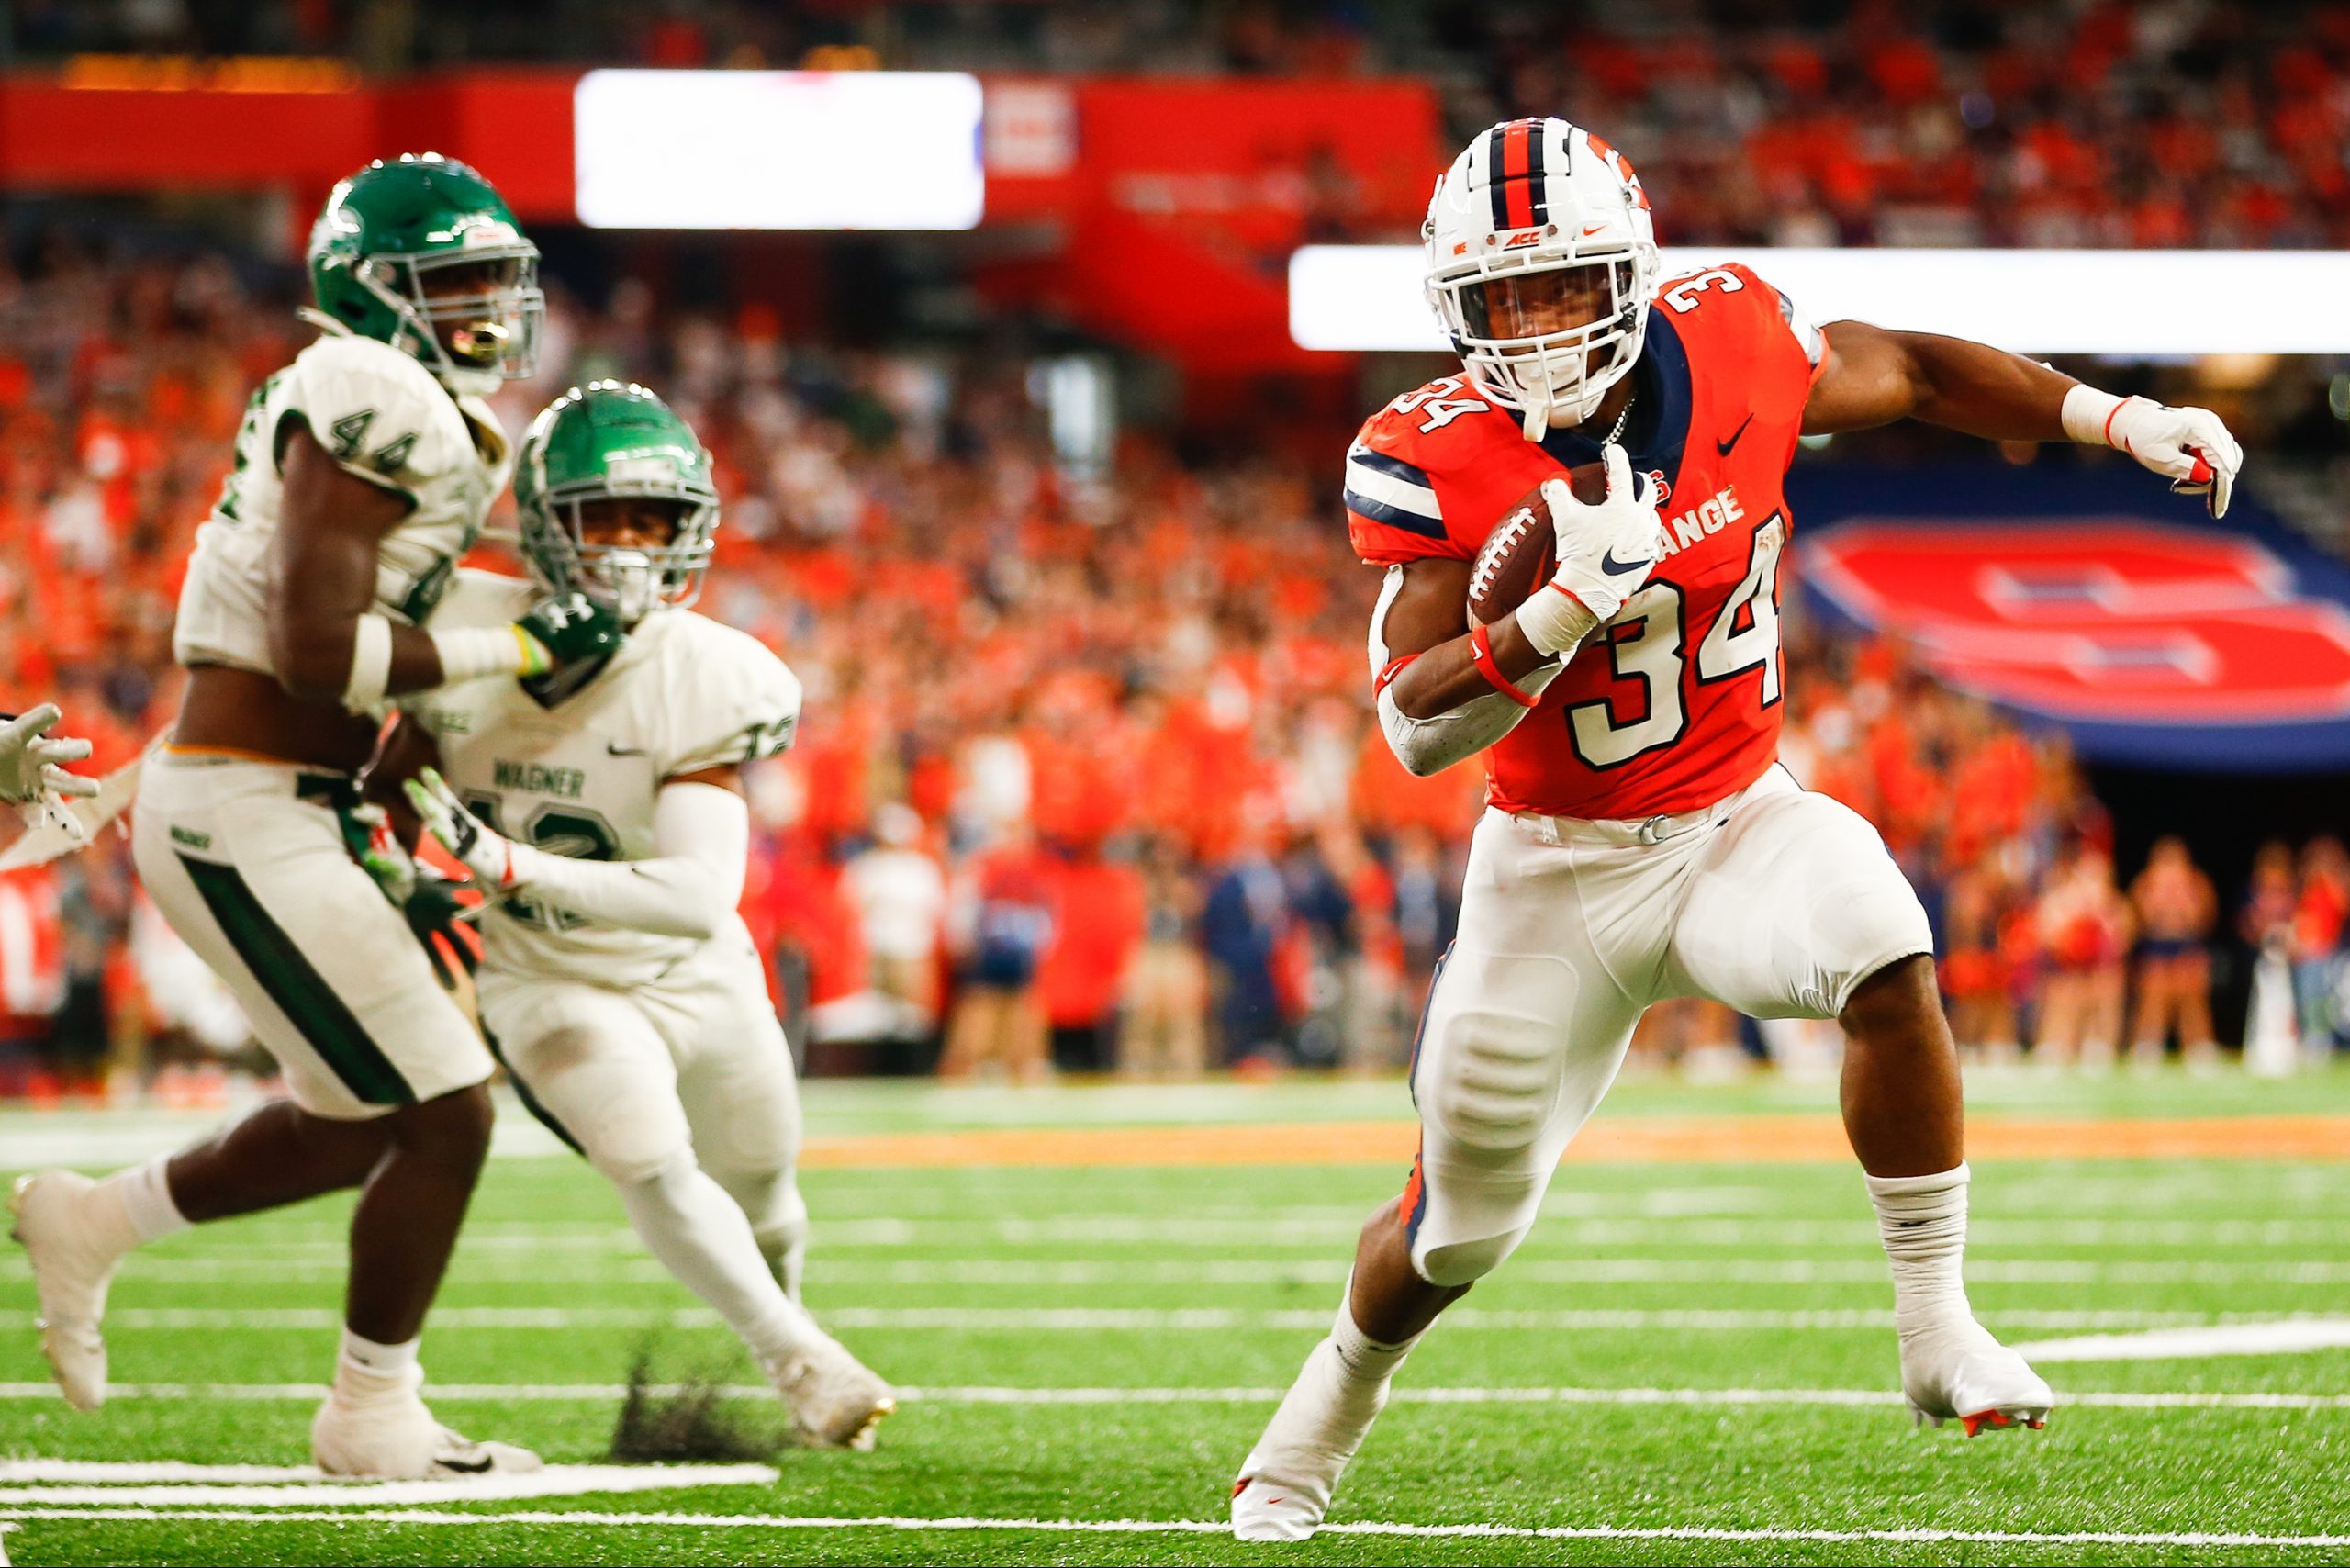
x,y
1684,1364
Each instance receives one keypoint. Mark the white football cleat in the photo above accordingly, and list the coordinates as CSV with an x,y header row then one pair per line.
x,y
1286,1483
1958,1371
835,1400
74,1250
388,1434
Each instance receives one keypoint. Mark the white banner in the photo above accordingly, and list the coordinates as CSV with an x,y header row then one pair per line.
x,y
2128,303
778,150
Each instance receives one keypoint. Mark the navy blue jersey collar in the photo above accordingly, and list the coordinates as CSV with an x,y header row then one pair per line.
x,y
1659,425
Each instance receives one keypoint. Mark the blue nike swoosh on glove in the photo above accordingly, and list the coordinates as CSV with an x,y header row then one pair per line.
x,y
1614,568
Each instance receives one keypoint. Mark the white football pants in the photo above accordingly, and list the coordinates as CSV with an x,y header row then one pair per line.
x,y
692,1065
1776,900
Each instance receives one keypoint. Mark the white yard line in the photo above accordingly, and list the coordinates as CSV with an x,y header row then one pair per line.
x,y
2176,1344
1314,1228
830,1271
1925,1536
594,1393
1743,1234
1088,1321
197,1485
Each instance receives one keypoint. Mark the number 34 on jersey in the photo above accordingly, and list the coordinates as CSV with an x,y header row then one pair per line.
x,y
1677,704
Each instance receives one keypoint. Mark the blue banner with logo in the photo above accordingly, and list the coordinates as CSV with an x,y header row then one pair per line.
x,y
2090,595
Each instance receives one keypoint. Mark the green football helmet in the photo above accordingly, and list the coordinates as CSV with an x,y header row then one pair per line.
x,y
606,441
383,235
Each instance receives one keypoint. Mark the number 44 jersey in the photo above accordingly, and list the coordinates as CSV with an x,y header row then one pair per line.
x,y
577,775
383,418
1675,704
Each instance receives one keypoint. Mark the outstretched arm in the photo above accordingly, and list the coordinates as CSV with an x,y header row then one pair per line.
x,y
1874,376
326,643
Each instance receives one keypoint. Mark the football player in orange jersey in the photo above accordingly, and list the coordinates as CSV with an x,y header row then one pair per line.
x,y
1640,840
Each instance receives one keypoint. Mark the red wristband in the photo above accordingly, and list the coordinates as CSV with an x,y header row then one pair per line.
x,y
1386,676
1481,653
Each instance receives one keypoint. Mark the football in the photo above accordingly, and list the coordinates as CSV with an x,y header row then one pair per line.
x,y
1518,556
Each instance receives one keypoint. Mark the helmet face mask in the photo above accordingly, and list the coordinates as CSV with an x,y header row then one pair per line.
x,y
422,253
1554,336
638,577
1540,261
599,459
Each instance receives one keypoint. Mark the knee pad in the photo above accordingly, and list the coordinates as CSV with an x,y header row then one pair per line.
x,y
1493,1080
1465,1263
779,1213
625,1119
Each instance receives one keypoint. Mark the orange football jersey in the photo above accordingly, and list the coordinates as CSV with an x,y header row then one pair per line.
x,y
1677,704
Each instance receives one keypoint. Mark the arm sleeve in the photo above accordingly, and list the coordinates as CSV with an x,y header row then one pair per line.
x,y
701,838
1432,745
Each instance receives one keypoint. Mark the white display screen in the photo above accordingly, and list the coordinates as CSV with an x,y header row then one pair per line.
x,y
778,150
2123,303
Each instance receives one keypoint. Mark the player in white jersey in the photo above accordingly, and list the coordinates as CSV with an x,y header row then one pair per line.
x,y
602,809
362,471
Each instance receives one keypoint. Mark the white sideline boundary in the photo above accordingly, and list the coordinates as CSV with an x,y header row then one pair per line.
x,y
1206,1527
591,1392
1157,1319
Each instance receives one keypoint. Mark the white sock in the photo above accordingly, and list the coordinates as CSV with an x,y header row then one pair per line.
x,y
146,1193
367,1367
1363,1358
1923,1222
702,1237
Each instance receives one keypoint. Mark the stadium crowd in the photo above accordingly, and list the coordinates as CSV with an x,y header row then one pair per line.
x,y
1957,122
1087,775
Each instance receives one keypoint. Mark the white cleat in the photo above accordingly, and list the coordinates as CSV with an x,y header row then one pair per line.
x,y
1959,1372
388,1434
836,1401
74,1252
1286,1483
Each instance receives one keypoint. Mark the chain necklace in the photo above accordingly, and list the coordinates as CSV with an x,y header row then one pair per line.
x,y
1621,420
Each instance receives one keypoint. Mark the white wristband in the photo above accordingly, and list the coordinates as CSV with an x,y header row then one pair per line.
x,y
2088,414
371,665
1554,620
469,653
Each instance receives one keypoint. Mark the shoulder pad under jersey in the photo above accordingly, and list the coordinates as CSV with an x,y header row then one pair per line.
x,y
729,700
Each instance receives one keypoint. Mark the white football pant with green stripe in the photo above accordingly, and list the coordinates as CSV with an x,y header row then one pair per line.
x,y
247,861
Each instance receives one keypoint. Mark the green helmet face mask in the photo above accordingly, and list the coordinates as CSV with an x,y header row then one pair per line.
x,y
606,441
422,253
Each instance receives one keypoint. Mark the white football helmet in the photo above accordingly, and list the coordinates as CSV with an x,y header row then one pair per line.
x,y
1540,217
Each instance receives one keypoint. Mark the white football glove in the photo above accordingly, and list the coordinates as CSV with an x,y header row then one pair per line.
x,y
480,848
1607,550
2190,447
32,772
